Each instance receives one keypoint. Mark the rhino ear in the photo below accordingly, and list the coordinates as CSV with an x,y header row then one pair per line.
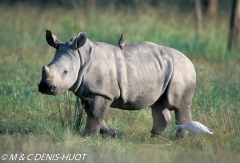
x,y
52,40
80,40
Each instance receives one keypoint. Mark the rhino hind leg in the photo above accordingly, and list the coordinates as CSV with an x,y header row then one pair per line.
x,y
161,118
179,97
183,116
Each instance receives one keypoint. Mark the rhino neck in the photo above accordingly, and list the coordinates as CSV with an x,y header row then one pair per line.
x,y
85,55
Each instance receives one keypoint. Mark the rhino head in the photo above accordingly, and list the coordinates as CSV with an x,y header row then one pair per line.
x,y
62,72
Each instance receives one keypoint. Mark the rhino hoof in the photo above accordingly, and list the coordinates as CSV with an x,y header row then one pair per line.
x,y
114,135
108,132
154,134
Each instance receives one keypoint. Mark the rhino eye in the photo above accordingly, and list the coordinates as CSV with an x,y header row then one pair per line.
x,y
65,72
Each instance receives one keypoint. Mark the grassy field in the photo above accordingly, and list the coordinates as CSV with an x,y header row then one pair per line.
x,y
31,122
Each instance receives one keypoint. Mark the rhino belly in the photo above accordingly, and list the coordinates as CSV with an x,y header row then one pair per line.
x,y
137,102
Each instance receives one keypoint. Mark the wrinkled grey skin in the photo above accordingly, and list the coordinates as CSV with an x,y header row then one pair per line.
x,y
138,76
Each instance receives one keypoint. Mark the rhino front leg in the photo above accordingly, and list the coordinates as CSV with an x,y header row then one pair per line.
x,y
161,118
92,126
96,110
105,130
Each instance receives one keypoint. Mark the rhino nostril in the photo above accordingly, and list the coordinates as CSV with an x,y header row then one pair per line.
x,y
54,89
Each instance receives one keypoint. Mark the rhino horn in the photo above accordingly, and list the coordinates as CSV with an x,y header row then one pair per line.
x,y
46,73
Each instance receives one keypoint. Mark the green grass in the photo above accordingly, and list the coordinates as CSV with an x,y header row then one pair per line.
x,y
30,122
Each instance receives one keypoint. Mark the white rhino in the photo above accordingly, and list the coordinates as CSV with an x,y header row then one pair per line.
x,y
138,76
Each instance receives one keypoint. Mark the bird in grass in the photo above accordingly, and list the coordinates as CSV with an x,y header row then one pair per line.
x,y
195,128
121,41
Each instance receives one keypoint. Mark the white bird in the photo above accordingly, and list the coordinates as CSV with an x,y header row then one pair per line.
x,y
195,128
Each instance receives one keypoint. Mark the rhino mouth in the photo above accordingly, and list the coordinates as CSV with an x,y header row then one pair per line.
x,y
46,88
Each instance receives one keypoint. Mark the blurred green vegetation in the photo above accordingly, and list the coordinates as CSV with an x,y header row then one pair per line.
x,y
183,4
31,122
